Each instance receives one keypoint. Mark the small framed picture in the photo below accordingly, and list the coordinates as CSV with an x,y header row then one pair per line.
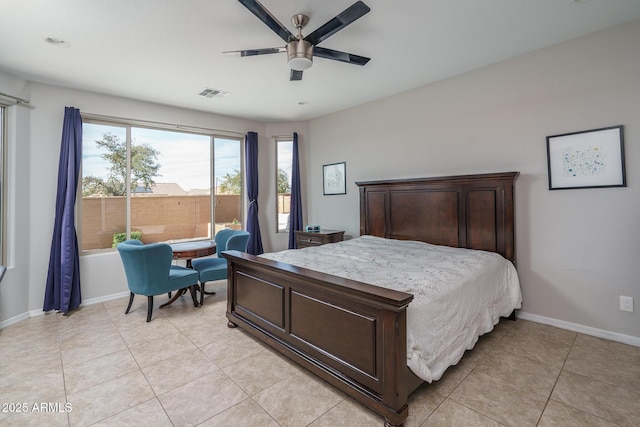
x,y
334,178
587,159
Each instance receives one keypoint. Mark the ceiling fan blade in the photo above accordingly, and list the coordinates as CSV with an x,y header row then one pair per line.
x,y
265,16
346,17
295,75
339,56
254,52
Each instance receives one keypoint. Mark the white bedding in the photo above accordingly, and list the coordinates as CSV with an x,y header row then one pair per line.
x,y
459,294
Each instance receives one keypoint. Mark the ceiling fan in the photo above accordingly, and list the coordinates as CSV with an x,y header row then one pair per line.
x,y
301,50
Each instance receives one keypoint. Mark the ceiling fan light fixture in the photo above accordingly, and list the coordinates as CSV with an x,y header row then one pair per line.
x,y
300,55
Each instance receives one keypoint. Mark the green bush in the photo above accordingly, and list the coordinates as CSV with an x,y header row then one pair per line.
x,y
121,237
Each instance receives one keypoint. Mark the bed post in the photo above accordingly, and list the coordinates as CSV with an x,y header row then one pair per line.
x,y
396,392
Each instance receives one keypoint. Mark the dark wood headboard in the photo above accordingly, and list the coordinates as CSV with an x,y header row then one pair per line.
x,y
467,211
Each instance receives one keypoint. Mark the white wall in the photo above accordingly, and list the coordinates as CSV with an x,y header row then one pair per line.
x,y
577,250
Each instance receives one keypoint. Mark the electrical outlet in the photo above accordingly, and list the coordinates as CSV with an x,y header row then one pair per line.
x,y
626,303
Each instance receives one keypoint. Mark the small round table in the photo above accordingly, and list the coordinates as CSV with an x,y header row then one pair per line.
x,y
193,249
188,251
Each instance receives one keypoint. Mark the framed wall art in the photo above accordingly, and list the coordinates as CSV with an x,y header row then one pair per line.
x,y
334,178
587,159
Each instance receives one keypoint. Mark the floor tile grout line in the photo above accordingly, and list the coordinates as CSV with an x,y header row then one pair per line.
x,y
64,379
562,370
555,383
604,381
63,372
139,369
156,395
463,379
493,349
599,381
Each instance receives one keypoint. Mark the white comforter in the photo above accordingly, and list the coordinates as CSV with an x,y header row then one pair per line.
x,y
459,294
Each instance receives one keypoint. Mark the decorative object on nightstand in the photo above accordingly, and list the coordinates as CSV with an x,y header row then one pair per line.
x,y
305,239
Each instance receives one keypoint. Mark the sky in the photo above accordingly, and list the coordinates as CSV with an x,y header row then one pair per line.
x,y
184,158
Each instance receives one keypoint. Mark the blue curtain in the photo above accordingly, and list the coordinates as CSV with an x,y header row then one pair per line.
x,y
253,227
62,292
295,210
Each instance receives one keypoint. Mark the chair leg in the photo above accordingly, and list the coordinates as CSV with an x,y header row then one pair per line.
x,y
149,307
130,302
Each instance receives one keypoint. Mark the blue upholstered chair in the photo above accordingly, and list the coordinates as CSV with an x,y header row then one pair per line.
x,y
210,269
149,272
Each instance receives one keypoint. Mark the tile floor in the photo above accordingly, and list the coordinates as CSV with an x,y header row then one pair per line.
x,y
187,368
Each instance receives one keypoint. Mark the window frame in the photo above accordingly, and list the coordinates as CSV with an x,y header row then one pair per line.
x,y
278,140
128,124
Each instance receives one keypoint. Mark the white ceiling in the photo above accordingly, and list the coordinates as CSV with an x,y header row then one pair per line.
x,y
167,51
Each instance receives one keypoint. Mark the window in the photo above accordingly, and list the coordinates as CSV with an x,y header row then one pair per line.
x,y
156,184
284,153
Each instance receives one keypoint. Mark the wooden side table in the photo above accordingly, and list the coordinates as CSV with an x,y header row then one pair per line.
x,y
187,251
193,249
305,239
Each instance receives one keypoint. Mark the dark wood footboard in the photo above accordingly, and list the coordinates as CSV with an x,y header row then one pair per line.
x,y
351,334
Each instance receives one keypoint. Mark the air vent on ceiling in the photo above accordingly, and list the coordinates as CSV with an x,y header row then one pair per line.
x,y
213,93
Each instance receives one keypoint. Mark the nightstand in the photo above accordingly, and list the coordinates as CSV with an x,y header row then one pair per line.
x,y
305,239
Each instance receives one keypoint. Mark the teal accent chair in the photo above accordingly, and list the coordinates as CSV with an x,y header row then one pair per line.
x,y
149,272
215,268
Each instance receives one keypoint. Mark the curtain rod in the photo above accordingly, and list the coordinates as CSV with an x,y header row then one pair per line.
x,y
104,118
18,100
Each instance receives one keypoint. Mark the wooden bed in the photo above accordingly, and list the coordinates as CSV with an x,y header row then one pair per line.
x,y
351,334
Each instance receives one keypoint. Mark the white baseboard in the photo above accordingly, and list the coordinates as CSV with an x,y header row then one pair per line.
x,y
106,298
34,313
587,330
14,320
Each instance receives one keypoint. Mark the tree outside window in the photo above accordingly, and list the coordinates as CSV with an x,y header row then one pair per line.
x,y
144,168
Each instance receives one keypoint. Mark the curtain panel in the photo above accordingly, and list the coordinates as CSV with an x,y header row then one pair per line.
x,y
295,210
62,290
253,227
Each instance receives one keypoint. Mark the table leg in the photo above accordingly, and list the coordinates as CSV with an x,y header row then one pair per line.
x,y
178,294
192,289
181,292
